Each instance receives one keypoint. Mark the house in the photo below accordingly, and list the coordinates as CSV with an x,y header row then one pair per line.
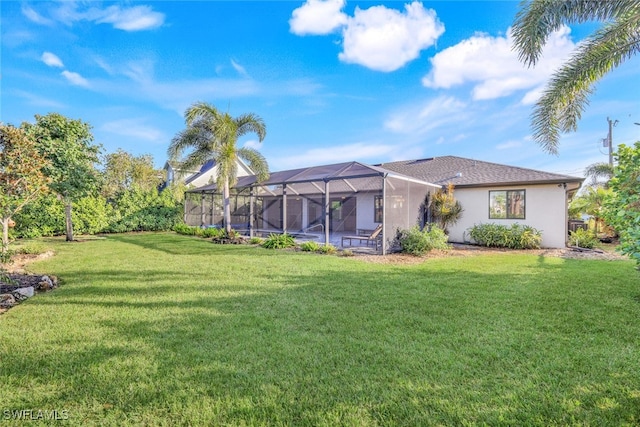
x,y
330,201
491,192
199,176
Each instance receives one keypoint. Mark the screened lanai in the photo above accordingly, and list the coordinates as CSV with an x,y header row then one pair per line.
x,y
324,203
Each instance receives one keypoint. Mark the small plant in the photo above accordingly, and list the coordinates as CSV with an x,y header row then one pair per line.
x,y
279,241
185,229
310,246
347,253
583,238
418,242
221,236
255,241
500,236
327,249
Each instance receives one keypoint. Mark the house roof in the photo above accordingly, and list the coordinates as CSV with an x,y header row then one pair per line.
x,y
463,172
203,170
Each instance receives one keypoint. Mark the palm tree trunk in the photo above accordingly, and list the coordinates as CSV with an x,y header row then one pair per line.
x,y
68,222
227,206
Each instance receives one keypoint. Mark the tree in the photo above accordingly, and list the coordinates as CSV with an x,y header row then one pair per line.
x,y
591,202
124,171
443,207
67,145
21,176
597,171
566,96
622,207
213,135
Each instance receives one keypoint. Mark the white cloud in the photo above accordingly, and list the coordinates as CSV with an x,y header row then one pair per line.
x,y
492,66
385,39
135,128
35,17
239,68
136,18
52,60
317,17
75,78
509,145
39,101
424,118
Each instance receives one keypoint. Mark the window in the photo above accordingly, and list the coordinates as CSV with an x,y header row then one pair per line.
x,y
377,209
506,204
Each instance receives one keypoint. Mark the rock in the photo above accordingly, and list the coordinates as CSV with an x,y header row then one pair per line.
x,y
24,293
7,300
45,284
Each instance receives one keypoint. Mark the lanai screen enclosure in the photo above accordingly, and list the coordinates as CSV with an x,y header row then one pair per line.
x,y
323,202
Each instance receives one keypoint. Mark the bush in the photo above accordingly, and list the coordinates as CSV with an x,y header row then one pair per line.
x,y
310,246
279,241
256,241
418,242
184,229
583,238
221,236
500,236
327,249
347,253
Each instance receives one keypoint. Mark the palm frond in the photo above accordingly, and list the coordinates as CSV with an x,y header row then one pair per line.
x,y
201,110
251,123
566,96
537,19
256,162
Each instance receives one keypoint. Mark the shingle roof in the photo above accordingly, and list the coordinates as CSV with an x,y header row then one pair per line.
x,y
464,172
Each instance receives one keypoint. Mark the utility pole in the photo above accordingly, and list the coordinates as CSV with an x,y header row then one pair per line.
x,y
612,123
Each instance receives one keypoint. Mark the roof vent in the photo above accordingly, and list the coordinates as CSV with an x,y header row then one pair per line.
x,y
459,175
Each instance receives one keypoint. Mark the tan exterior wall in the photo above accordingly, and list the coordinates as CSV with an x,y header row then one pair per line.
x,y
545,210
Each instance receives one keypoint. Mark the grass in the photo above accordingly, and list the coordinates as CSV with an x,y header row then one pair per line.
x,y
161,329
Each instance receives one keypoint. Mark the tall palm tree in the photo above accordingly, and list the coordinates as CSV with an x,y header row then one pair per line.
x,y
566,96
213,135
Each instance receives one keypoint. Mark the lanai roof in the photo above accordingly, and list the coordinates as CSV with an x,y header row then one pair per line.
x,y
335,172
463,172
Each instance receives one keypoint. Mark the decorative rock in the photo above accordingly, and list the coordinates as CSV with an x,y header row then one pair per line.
x,y
7,300
24,293
45,284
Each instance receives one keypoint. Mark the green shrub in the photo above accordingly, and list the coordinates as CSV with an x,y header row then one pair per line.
x,y
255,241
515,236
279,241
347,253
583,238
185,229
310,246
418,242
327,249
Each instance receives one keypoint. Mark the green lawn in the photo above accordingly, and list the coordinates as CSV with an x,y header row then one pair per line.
x,y
161,329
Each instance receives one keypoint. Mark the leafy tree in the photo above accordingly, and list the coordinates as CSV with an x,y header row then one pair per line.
x,y
124,171
67,145
21,176
622,208
566,96
213,135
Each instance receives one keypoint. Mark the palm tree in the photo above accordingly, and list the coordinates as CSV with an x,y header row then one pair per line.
x,y
596,171
213,135
566,96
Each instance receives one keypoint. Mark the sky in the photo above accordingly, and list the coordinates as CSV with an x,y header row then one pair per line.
x,y
334,81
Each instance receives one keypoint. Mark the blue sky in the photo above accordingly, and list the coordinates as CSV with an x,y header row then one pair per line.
x,y
371,81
